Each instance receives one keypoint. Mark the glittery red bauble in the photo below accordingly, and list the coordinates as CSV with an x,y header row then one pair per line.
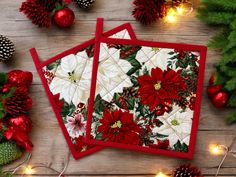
x,y
20,78
64,17
220,99
23,123
213,90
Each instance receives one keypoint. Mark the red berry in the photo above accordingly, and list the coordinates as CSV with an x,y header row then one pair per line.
x,y
192,99
64,18
212,79
167,108
159,112
192,106
213,90
220,99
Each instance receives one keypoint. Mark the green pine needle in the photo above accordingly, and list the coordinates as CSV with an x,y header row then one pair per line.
x,y
220,40
232,100
228,5
222,13
215,18
231,118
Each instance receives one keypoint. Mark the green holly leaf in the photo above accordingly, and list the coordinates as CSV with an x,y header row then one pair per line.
x,y
158,135
171,53
180,147
53,65
9,93
130,103
117,102
98,136
68,109
3,112
98,106
135,63
3,78
134,81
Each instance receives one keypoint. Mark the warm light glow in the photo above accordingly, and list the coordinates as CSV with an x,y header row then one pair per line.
x,y
29,170
171,16
216,149
160,174
180,10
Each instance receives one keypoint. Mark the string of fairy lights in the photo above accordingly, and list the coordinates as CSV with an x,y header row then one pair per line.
x,y
184,9
25,168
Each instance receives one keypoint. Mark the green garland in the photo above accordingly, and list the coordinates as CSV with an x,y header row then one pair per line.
x,y
222,13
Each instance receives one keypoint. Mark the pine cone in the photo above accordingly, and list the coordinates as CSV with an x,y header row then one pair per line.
x,y
7,49
18,104
36,12
48,4
187,171
9,152
85,4
148,11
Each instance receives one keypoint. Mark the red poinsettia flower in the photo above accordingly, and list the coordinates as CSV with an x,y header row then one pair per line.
x,y
59,103
161,144
160,86
119,126
80,144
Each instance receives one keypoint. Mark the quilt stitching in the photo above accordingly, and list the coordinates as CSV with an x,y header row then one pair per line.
x,y
74,114
170,119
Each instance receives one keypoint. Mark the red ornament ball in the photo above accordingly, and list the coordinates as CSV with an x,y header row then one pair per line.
x,y
220,99
22,122
213,90
20,78
64,18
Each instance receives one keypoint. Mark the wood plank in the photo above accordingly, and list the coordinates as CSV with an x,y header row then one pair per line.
x,y
50,147
117,10
184,26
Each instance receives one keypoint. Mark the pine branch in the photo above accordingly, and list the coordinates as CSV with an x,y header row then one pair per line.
x,y
231,41
230,84
231,118
220,40
227,5
232,100
215,18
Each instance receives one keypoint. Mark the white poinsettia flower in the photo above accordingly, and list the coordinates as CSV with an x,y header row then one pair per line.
x,y
111,76
71,80
176,125
76,125
154,57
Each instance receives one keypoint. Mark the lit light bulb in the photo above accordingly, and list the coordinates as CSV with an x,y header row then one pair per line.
x,y
180,10
160,174
29,170
216,149
171,16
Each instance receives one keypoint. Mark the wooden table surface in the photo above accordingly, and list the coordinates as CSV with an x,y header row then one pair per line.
x,y
50,145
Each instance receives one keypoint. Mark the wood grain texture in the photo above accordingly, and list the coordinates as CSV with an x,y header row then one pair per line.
x,y
50,146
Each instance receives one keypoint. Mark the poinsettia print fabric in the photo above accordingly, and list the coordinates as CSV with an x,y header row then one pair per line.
x,y
69,80
145,96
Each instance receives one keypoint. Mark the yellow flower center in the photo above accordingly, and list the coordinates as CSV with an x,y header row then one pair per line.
x,y
72,76
117,124
155,49
174,122
157,86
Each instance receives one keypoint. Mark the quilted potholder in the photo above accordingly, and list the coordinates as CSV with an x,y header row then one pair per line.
x,y
146,96
66,79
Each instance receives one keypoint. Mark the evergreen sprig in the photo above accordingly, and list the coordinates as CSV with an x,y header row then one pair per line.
x,y
222,13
